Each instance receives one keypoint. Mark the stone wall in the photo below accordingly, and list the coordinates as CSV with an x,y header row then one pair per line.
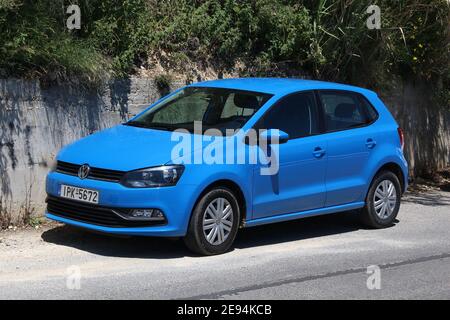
x,y
36,122
426,126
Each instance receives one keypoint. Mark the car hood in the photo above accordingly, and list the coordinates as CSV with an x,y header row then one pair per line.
x,y
121,148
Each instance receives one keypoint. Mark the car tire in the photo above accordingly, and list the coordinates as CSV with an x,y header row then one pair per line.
x,y
380,209
200,237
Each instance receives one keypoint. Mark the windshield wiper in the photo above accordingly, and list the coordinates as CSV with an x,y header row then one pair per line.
x,y
135,124
148,125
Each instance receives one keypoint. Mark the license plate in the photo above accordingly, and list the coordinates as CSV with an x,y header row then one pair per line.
x,y
80,194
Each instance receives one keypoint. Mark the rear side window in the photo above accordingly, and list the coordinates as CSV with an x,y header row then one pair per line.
x,y
295,114
372,114
345,110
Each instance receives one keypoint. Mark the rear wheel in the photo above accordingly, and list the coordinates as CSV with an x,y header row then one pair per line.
x,y
382,201
214,223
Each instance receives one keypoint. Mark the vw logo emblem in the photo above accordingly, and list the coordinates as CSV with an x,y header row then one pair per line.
x,y
83,172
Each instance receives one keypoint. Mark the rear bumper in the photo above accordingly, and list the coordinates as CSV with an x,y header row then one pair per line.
x,y
405,169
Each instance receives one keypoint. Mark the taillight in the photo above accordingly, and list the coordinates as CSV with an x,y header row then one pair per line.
x,y
401,136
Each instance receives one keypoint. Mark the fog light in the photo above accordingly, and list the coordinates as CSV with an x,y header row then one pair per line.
x,y
147,214
142,213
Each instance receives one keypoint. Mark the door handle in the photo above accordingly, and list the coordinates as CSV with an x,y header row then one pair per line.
x,y
370,143
318,152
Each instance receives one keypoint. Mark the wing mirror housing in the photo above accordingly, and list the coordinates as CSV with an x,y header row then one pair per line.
x,y
274,136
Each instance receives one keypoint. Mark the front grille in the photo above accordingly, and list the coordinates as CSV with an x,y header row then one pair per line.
x,y
93,214
95,173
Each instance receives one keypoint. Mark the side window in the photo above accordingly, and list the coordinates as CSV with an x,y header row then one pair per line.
x,y
296,115
371,113
342,110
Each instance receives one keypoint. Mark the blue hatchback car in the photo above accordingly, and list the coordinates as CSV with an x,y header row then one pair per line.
x,y
217,156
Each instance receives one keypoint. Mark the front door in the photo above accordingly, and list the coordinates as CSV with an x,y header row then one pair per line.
x,y
299,184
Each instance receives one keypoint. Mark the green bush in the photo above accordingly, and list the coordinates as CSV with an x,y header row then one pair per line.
x,y
326,38
35,43
163,83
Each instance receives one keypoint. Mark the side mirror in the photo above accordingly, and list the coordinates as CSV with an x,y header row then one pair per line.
x,y
274,136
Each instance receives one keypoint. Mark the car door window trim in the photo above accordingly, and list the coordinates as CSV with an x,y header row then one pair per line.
x,y
351,93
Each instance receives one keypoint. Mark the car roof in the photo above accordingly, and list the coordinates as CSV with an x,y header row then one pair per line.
x,y
277,86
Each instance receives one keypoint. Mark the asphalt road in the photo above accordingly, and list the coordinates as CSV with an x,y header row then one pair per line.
x,y
316,258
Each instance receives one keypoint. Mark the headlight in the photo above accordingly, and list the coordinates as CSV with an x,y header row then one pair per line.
x,y
153,177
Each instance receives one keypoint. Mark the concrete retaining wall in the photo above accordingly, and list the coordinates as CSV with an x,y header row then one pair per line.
x,y
36,122
426,126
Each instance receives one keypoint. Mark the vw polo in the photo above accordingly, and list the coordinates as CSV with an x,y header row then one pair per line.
x,y
337,148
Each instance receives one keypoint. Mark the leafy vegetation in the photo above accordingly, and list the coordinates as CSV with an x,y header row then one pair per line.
x,y
326,38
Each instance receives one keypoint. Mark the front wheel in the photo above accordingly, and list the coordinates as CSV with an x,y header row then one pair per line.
x,y
383,201
214,223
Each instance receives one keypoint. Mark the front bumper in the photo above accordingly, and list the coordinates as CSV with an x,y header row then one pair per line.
x,y
175,202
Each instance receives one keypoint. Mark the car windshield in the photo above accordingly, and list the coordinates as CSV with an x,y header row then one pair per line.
x,y
214,108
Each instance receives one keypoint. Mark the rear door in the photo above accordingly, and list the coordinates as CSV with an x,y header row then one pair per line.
x,y
350,144
300,181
